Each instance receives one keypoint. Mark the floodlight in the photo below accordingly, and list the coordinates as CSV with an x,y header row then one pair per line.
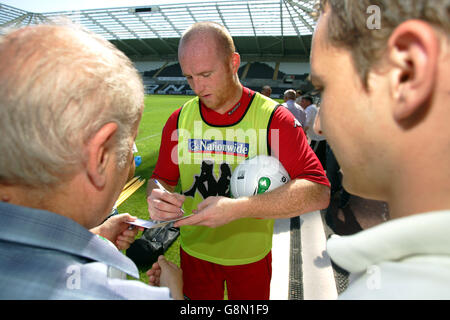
x,y
144,9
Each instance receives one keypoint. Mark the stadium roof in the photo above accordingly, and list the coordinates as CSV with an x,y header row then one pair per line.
x,y
262,29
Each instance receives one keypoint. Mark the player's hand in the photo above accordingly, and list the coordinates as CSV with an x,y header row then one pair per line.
x,y
167,274
163,205
212,212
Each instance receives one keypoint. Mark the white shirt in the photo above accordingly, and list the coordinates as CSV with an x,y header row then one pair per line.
x,y
296,110
406,258
311,113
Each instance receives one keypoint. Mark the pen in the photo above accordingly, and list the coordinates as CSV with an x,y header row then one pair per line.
x,y
161,187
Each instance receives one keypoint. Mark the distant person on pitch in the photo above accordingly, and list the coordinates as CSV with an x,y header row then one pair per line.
x,y
266,91
289,102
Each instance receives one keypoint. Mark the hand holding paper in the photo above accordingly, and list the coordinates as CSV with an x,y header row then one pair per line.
x,y
149,224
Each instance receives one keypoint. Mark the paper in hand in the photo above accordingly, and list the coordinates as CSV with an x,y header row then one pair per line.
x,y
149,224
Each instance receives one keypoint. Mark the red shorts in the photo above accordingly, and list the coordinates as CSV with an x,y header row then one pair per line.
x,y
205,280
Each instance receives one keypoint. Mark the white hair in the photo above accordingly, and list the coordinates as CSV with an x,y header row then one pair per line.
x,y
58,86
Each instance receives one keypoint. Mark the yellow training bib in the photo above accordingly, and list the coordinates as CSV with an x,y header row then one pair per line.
x,y
207,156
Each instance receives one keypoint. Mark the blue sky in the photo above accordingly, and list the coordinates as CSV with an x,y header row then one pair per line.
x,y
38,6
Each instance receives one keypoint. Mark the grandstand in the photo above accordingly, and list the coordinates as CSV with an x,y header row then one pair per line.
x,y
273,38
167,78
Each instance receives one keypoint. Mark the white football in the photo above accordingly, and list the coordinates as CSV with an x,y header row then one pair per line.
x,y
257,175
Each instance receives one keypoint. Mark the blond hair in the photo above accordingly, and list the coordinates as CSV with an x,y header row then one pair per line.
x,y
348,27
58,86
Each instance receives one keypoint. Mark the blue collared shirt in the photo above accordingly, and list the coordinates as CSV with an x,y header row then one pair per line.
x,y
44,255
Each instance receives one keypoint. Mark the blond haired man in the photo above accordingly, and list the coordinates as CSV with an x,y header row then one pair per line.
x,y
395,145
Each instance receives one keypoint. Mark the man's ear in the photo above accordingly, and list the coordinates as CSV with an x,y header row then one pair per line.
x,y
413,50
100,149
236,62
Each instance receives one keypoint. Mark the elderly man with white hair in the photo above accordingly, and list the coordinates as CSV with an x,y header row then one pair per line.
x,y
289,102
70,106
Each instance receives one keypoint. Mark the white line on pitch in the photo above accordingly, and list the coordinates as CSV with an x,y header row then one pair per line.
x,y
148,137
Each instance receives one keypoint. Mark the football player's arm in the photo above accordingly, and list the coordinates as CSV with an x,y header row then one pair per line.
x,y
297,197
163,203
